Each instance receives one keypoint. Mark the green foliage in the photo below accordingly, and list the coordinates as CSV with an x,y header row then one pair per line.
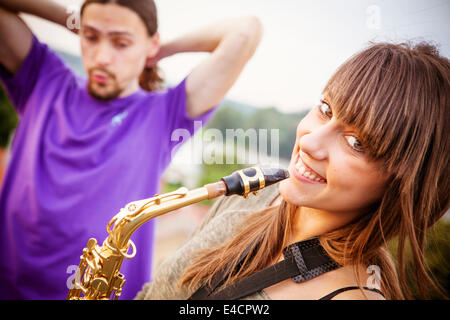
x,y
230,116
169,187
285,123
8,118
437,256
214,172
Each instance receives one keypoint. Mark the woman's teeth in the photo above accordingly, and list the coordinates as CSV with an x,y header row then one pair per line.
x,y
306,172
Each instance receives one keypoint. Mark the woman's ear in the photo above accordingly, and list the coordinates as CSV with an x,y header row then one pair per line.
x,y
153,50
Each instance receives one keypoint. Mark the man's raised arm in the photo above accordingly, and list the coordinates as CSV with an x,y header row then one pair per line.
x,y
15,36
231,43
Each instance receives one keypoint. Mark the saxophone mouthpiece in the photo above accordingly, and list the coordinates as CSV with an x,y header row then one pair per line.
x,y
274,175
244,181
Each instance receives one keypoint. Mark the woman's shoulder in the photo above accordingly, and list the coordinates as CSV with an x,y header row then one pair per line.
x,y
237,205
342,284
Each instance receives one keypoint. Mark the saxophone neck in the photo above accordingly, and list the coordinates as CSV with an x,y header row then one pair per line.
x,y
136,213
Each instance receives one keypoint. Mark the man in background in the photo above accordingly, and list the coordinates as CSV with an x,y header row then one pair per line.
x,y
86,147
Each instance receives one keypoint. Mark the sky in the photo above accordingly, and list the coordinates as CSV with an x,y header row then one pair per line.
x,y
303,42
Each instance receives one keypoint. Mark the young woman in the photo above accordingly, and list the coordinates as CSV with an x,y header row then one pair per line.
x,y
370,163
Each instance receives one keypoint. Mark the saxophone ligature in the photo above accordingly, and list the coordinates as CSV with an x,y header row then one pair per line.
x,y
98,276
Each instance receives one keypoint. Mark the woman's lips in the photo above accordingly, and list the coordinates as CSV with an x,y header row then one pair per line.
x,y
304,173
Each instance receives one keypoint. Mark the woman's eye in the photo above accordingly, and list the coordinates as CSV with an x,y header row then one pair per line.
x,y
325,109
354,143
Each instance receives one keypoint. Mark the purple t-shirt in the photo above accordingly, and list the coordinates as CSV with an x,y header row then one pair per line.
x,y
75,162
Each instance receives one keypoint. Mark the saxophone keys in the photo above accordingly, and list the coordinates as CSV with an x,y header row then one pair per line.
x,y
132,207
91,244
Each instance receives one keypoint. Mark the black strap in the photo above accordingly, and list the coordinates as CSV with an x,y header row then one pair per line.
x,y
283,270
336,292
218,279
303,260
204,291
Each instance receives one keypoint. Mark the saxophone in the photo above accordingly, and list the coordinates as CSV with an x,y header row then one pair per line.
x,y
98,276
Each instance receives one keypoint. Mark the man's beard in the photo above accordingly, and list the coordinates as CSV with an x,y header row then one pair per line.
x,y
108,91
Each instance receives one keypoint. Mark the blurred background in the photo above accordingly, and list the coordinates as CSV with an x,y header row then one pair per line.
x,y
303,43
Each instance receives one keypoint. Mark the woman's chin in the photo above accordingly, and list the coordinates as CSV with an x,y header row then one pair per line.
x,y
288,192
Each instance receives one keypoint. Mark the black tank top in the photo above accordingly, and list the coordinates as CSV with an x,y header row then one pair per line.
x,y
338,291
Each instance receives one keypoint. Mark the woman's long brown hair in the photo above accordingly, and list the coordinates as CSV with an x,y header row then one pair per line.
x,y
150,78
397,96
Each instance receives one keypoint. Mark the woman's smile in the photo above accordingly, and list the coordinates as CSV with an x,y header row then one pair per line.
x,y
303,172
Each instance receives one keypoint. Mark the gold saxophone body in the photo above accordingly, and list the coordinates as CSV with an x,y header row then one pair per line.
x,y
98,276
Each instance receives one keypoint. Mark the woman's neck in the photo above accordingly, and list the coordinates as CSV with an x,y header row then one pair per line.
x,y
310,222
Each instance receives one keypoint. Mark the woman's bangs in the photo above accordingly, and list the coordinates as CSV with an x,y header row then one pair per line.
x,y
366,93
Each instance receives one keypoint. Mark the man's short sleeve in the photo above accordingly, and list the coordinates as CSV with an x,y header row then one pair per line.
x,y
40,64
177,116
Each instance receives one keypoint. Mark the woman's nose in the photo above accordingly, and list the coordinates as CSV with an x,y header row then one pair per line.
x,y
316,142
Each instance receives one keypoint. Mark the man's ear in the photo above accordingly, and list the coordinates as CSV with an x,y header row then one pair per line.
x,y
153,50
